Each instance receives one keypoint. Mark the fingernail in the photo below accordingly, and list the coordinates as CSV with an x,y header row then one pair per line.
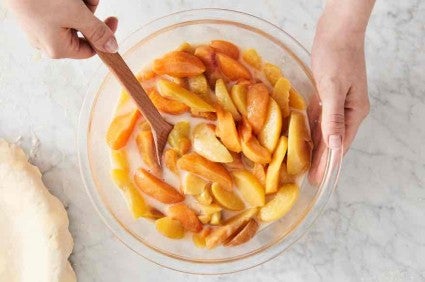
x,y
111,45
335,142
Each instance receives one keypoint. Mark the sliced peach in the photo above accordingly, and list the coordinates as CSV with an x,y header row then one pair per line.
x,y
250,187
238,94
285,177
186,216
134,199
123,102
175,92
224,99
199,165
120,129
193,184
273,170
204,115
296,101
226,131
179,137
237,162
156,188
281,204
153,213
272,72
231,68
257,105
204,198
120,159
251,57
145,75
243,236
178,64
251,148
206,144
207,56
146,147
219,235
170,160
186,47
170,228
204,218
199,238
299,149
167,105
226,47
227,199
215,218
259,172
210,209
270,133
199,85
280,94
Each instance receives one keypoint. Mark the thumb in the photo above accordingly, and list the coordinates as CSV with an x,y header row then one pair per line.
x,y
98,33
333,121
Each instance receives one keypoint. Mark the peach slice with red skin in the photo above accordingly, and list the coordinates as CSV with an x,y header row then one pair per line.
x,y
178,64
226,47
186,216
248,231
257,106
120,129
206,169
156,188
207,55
231,68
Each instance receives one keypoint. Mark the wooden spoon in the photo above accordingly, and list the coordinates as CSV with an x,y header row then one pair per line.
x,y
160,128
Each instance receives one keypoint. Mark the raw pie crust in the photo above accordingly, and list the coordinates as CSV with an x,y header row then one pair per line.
x,y
34,239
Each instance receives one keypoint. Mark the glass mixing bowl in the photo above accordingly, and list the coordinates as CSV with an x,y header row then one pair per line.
x,y
139,50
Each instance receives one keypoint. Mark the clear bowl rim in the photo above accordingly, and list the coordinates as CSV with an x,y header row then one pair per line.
x,y
332,170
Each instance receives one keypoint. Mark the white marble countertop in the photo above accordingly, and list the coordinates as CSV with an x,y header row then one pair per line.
x,y
373,228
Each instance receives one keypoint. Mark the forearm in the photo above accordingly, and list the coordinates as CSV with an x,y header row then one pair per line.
x,y
345,17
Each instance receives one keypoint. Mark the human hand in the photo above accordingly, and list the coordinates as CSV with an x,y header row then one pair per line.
x,y
52,26
338,65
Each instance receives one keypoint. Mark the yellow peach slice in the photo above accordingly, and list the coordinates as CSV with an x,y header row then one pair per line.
x,y
224,99
170,160
186,47
238,95
206,144
273,170
120,129
210,209
193,184
272,72
179,137
269,134
167,105
296,101
204,115
135,201
280,94
215,172
215,218
243,236
175,92
231,68
257,106
250,187
199,85
259,172
170,228
204,218
186,216
226,131
219,235
178,64
299,149
227,199
120,159
251,57
204,198
251,148
199,238
156,188
226,47
281,204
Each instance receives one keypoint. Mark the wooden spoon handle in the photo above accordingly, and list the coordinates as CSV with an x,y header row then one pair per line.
x,y
117,65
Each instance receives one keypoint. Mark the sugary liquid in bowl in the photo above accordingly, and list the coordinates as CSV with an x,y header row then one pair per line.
x,y
224,226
